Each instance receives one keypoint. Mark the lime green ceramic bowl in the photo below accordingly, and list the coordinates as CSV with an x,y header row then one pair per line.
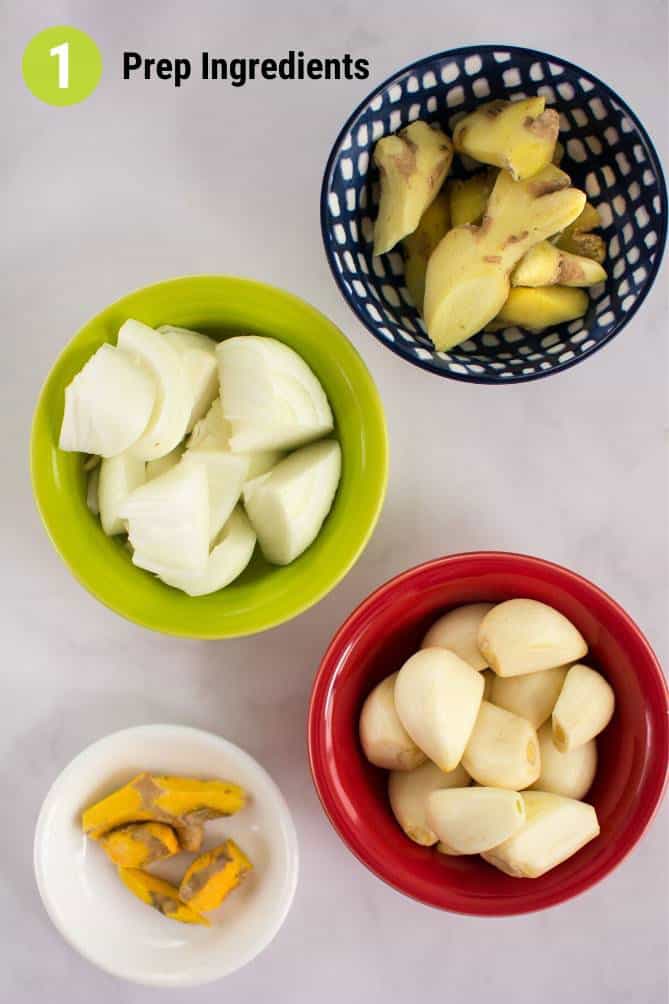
x,y
265,595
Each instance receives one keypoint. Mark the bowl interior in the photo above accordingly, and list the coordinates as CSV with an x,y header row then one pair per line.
x,y
264,595
386,630
113,929
607,153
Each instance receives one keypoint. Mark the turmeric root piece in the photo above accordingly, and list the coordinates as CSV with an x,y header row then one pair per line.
x,y
469,197
191,837
543,307
519,136
160,895
179,801
214,875
467,281
547,265
419,245
140,844
413,164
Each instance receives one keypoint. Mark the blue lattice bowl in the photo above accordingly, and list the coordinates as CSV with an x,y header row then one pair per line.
x,y
607,153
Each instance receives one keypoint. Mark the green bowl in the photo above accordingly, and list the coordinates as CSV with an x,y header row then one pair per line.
x,y
265,595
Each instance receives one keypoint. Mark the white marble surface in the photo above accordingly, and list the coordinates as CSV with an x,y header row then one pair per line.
x,y
144,182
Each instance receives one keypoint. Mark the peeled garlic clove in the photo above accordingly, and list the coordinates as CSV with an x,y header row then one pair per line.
x,y
503,750
174,396
554,829
385,741
583,709
569,774
94,421
445,849
458,631
532,695
472,820
119,476
437,697
525,636
408,792
488,680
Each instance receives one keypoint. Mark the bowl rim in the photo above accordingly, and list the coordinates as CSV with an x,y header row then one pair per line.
x,y
382,457
320,696
427,364
287,825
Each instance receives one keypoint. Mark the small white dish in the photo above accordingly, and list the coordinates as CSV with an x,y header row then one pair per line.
x,y
103,921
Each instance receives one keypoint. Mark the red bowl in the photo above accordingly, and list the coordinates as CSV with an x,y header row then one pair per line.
x,y
385,630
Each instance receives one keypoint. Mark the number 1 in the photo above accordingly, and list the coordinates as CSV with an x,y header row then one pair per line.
x,y
62,53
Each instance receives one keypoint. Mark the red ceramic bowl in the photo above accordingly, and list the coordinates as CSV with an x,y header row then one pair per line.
x,y
386,629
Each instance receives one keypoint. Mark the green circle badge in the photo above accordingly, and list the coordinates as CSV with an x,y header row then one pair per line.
x,y
62,66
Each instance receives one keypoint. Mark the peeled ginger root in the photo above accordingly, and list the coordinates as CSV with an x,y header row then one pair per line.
x,y
468,198
547,265
419,245
467,281
214,875
177,801
413,164
554,829
578,239
160,895
519,136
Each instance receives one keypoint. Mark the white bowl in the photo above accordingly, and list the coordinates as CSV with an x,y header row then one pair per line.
x,y
99,917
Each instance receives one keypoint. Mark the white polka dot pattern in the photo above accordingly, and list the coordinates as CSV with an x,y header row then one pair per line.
x,y
607,153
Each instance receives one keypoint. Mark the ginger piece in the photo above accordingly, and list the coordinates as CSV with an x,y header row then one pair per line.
x,y
213,876
181,802
539,308
586,245
140,844
519,136
419,245
160,895
467,281
578,239
558,154
548,265
413,164
469,197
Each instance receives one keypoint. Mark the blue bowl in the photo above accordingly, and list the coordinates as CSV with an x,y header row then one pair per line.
x,y
607,153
